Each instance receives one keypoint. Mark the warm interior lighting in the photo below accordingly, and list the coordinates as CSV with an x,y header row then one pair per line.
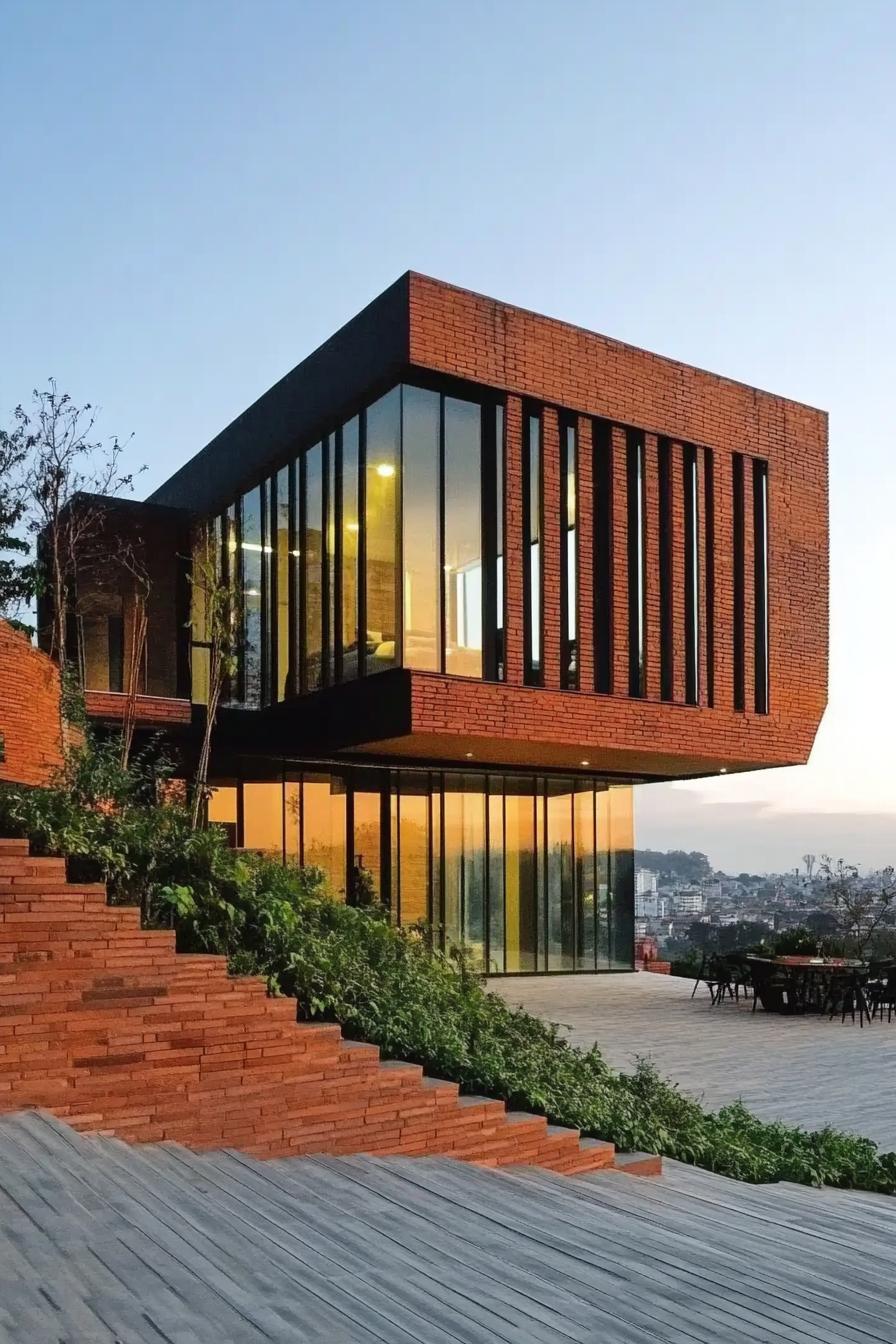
x,y
469,755
353,527
723,770
385,469
584,762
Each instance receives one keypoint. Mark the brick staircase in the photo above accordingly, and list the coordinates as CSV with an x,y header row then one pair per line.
x,y
104,1024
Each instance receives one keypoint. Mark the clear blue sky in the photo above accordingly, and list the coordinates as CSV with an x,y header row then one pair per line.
x,y
196,194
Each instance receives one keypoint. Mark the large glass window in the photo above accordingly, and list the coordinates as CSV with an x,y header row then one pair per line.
x,y
351,534
527,873
283,644
520,881
251,553
382,532
462,564
421,429
332,557
312,548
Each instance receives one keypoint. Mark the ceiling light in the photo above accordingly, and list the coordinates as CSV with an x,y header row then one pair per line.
x,y
353,527
469,755
385,469
723,770
584,762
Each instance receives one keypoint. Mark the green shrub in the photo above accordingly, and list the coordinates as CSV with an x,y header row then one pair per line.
x,y
388,986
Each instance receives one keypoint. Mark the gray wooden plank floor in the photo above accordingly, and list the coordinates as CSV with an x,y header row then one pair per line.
x,y
804,1070
101,1242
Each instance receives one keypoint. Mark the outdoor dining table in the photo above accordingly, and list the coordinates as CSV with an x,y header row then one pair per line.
x,y
805,982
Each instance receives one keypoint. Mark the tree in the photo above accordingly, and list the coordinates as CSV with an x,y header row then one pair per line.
x,y
216,628
860,905
63,467
17,577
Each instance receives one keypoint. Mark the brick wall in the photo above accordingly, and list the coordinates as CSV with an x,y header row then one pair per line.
x,y
29,711
455,332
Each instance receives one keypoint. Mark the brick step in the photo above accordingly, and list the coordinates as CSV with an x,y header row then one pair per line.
x,y
30,866
106,1025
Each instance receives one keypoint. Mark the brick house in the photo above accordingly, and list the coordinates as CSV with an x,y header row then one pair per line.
x,y
494,570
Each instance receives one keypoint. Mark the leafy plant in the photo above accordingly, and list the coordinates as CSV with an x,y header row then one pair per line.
x,y
388,985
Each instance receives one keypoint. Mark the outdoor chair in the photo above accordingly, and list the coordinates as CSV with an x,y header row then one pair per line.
x,y
716,975
846,994
881,993
769,982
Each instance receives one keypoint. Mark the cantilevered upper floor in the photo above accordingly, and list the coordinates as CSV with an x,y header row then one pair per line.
x,y
465,532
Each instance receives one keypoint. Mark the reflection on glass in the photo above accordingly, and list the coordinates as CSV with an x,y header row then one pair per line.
x,y
463,538
263,817
413,848
366,856
520,892
420,526
283,570
268,650
464,864
621,886
250,546
495,877
351,536
292,820
332,533
530,873
313,559
381,531
559,870
323,829
585,875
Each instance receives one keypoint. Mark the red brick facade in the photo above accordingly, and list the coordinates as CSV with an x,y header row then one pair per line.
x,y
152,711
534,358
29,711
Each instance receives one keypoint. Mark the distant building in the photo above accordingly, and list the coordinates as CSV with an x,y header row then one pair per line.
x,y
689,901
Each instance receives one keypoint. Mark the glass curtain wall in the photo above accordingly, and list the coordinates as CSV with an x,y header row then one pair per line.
x,y
529,873
379,546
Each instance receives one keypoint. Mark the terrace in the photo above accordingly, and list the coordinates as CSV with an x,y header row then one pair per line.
x,y
803,1070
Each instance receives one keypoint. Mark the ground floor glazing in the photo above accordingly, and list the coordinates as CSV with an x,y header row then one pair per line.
x,y
531,873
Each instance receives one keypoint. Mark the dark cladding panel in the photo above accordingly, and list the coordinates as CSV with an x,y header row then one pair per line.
x,y
366,352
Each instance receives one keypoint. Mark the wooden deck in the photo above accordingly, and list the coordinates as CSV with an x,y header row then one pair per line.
x,y
805,1070
102,1243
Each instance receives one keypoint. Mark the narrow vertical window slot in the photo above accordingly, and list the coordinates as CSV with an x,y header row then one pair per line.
x,y
637,604
602,472
667,603
532,562
738,558
568,557
691,576
760,580
709,532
